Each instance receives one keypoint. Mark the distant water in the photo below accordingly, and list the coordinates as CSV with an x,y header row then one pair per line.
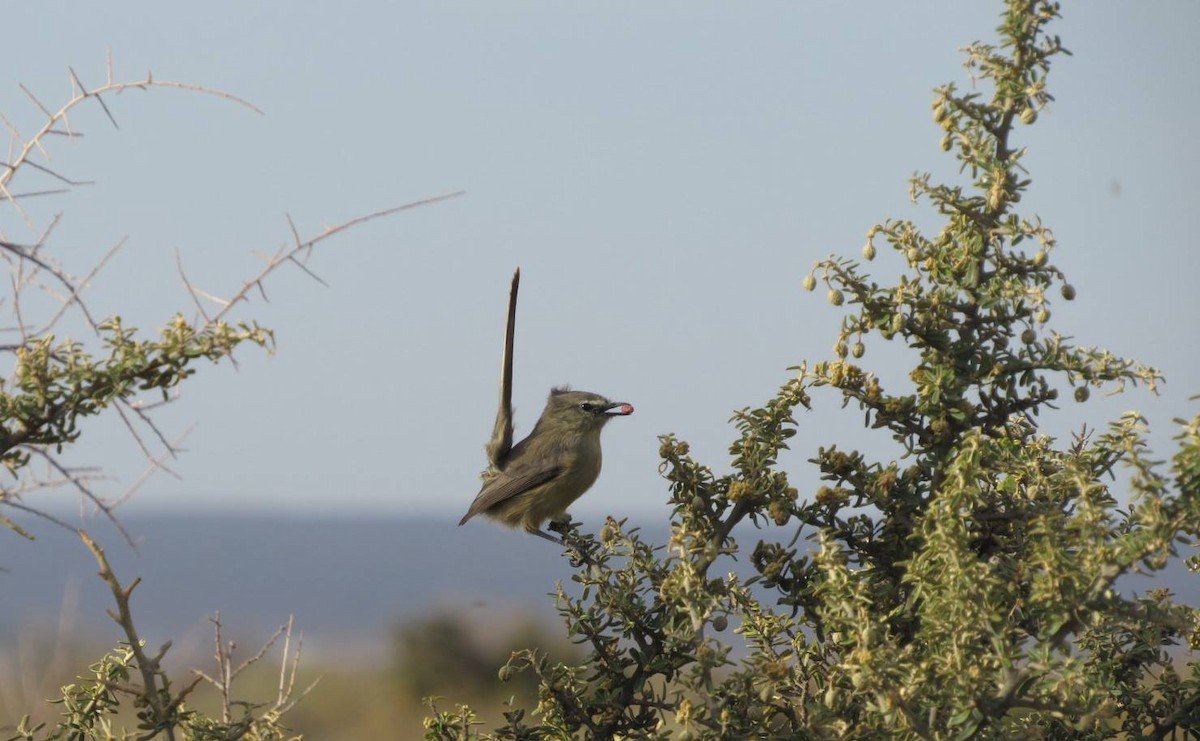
x,y
347,581
343,579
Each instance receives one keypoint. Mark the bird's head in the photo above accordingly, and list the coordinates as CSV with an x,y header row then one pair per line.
x,y
581,410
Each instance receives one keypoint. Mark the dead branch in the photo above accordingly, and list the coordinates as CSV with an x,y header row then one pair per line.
x,y
148,666
227,672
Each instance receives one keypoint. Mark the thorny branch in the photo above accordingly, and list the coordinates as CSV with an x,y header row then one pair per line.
x,y
53,382
228,671
148,666
30,266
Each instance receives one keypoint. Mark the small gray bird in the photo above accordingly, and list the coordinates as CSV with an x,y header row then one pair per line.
x,y
538,478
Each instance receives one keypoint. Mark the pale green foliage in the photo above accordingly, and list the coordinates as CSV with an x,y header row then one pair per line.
x,y
56,383
91,709
87,705
965,590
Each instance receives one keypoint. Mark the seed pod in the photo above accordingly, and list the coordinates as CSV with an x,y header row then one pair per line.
x,y
869,251
1082,394
858,350
809,282
1068,292
1028,116
835,297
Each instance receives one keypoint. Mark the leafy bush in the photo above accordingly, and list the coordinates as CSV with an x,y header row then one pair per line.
x,y
442,653
964,590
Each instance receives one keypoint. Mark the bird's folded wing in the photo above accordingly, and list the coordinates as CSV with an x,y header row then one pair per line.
x,y
508,484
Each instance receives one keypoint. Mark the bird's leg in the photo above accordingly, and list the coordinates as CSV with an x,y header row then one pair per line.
x,y
578,556
542,534
562,524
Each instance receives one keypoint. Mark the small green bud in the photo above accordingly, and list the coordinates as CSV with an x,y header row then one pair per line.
x,y
913,255
1068,292
720,623
1028,116
1043,315
1029,336
858,350
1039,259
946,143
840,349
869,251
1082,394
809,282
835,297
505,673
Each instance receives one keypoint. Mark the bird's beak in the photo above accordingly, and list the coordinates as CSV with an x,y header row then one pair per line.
x,y
618,409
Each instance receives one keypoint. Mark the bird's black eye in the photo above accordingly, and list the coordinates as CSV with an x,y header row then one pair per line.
x,y
587,407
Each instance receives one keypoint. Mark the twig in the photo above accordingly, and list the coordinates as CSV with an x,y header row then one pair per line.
x,y
9,502
83,489
148,666
156,464
188,285
169,450
226,671
299,246
77,289
83,89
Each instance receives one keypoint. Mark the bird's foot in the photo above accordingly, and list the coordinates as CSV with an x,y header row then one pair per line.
x,y
580,554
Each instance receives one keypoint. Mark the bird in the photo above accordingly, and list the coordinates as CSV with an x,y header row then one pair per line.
x,y
542,475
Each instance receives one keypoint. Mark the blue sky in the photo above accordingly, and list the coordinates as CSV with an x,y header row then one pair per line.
x,y
665,175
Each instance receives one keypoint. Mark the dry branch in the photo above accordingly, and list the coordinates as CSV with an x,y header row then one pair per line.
x,y
31,267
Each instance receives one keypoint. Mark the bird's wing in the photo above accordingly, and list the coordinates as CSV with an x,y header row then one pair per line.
x,y
508,484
